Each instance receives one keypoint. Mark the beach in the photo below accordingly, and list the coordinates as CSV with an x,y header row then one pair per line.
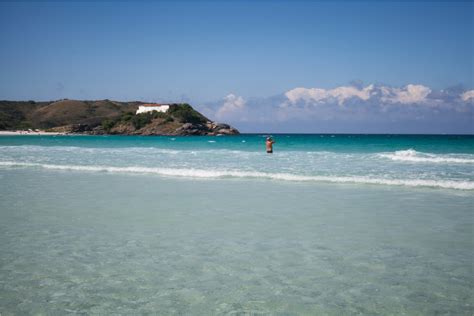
x,y
29,133
214,225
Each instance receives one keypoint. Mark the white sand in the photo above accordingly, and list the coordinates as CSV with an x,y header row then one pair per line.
x,y
39,133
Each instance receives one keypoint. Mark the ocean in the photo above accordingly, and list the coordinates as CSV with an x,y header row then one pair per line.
x,y
326,225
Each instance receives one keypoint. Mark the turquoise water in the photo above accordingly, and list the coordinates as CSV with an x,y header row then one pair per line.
x,y
328,224
428,161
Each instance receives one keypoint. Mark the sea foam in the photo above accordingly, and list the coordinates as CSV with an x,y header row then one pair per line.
x,y
209,174
412,155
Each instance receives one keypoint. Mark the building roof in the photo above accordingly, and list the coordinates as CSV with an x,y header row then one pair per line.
x,y
153,104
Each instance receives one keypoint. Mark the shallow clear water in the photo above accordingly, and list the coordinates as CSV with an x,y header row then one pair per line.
x,y
431,161
127,225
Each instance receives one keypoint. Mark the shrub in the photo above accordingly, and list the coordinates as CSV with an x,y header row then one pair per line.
x,y
157,114
142,119
127,117
108,124
25,125
186,114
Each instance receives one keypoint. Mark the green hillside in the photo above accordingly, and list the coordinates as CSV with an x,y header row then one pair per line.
x,y
106,117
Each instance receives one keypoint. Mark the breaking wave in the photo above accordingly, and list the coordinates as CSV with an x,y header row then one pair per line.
x,y
412,155
92,150
202,173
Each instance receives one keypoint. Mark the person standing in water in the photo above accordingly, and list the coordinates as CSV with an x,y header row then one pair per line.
x,y
269,144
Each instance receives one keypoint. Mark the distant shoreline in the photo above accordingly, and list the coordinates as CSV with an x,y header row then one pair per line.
x,y
29,133
45,133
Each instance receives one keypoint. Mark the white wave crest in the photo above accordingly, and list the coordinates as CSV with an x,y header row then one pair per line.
x,y
92,150
411,155
201,173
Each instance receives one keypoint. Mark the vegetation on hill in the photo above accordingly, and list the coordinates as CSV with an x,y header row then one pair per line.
x,y
107,117
44,115
182,113
138,121
13,114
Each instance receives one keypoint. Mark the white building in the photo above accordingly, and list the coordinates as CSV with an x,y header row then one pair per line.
x,y
153,107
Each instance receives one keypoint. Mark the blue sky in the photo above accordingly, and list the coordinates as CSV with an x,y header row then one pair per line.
x,y
203,52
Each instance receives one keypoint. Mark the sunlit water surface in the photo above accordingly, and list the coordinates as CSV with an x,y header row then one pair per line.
x,y
117,241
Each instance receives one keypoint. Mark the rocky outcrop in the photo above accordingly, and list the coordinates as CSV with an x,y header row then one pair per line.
x,y
75,129
186,129
210,128
222,129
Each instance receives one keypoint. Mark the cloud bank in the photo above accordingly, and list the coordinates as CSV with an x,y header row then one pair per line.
x,y
233,106
467,96
413,108
339,94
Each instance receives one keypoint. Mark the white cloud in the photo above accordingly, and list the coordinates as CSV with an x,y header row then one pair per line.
x,y
304,94
344,93
468,95
341,94
408,95
348,105
232,105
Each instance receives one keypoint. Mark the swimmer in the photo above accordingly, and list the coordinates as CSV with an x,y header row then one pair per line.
x,y
269,144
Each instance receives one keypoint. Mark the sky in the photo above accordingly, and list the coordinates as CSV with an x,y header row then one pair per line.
x,y
275,66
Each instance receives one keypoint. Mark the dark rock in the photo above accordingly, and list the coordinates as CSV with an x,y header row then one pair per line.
x,y
98,130
227,131
187,126
222,126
